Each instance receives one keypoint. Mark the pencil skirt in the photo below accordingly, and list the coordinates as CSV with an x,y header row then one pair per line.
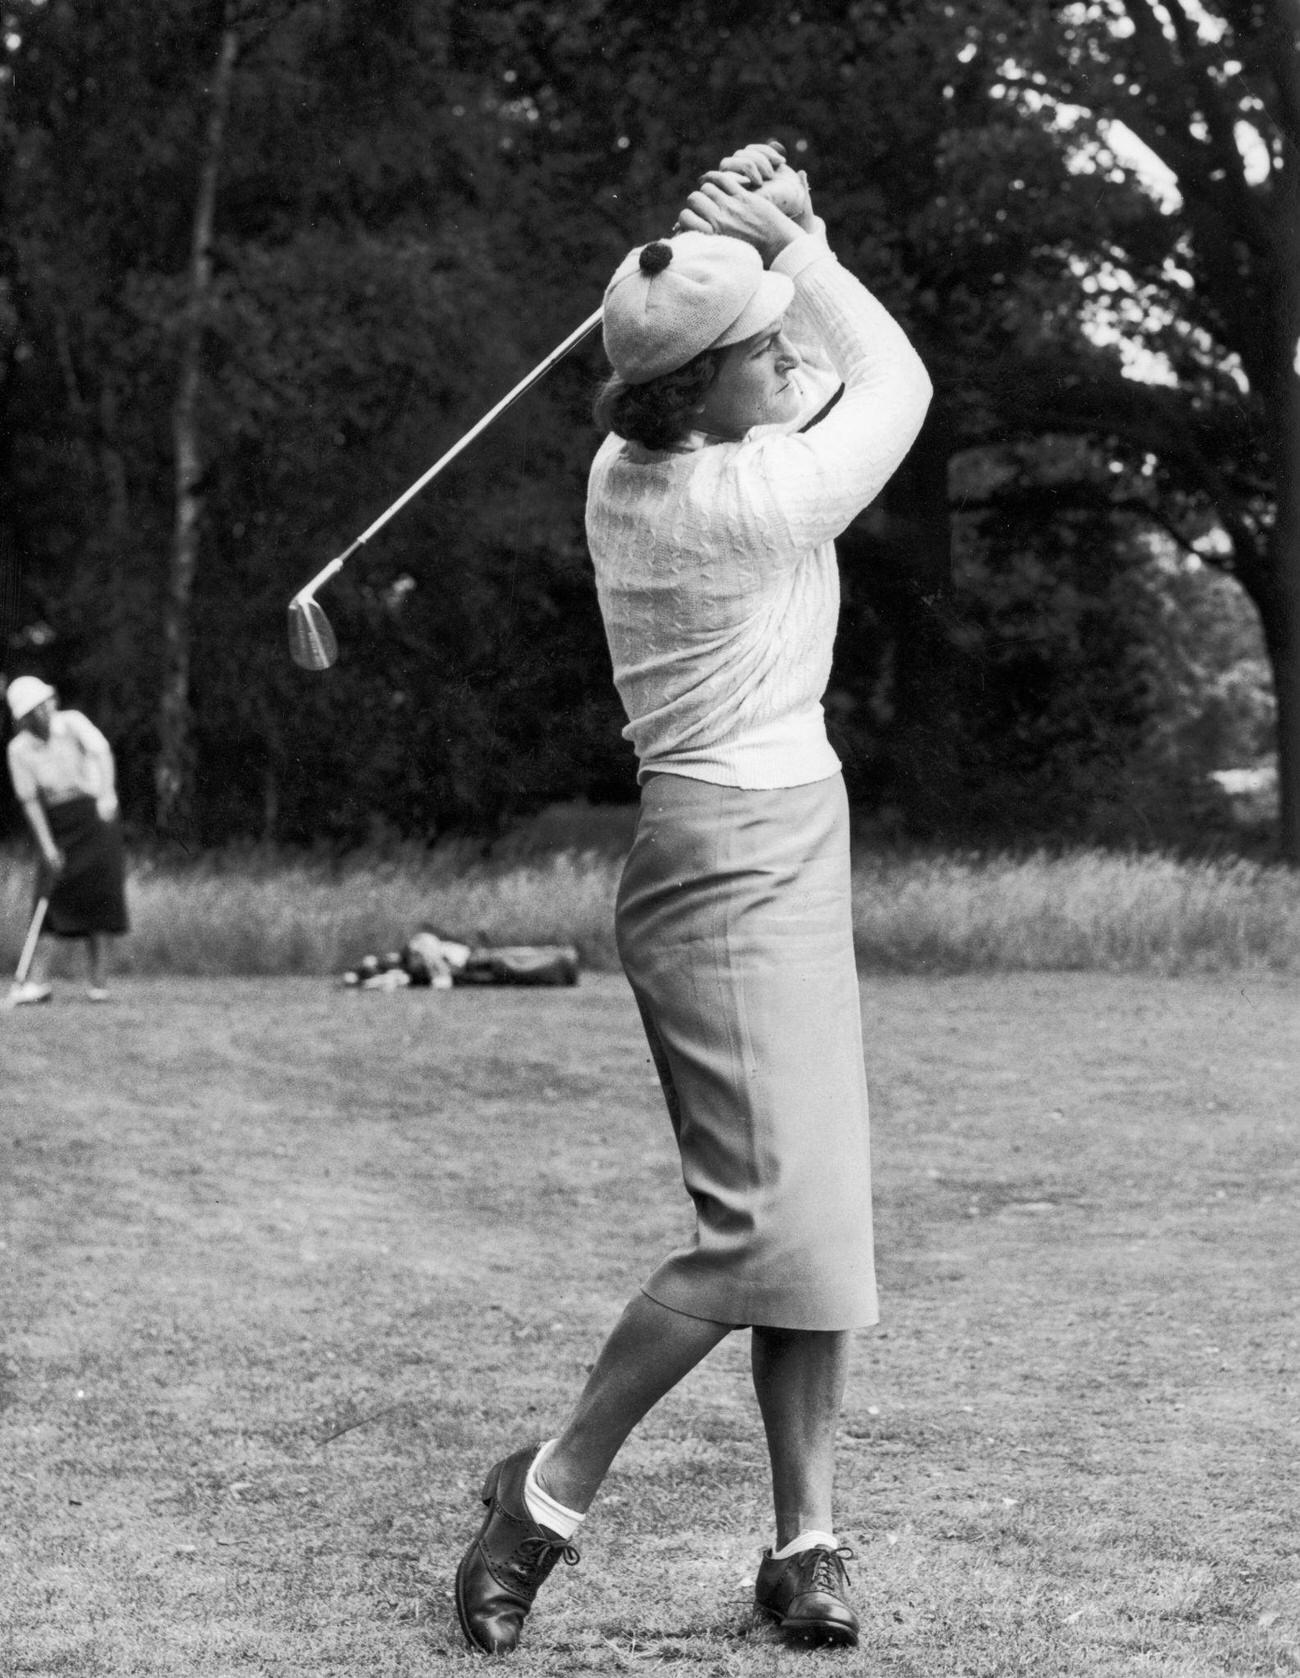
x,y
734,927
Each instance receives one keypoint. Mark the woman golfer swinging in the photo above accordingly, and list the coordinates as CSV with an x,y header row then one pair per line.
x,y
712,507
64,777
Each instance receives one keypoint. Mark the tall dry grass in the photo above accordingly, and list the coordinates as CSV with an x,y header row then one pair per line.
x,y
258,912
1086,909
310,916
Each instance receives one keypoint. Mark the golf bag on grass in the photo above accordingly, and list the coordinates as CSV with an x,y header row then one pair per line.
x,y
429,959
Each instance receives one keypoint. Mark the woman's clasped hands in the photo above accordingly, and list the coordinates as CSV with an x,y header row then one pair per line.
x,y
752,195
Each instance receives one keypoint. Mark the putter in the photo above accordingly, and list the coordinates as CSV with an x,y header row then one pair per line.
x,y
312,642
29,945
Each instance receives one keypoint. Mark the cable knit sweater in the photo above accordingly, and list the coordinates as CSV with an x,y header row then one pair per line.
x,y
715,564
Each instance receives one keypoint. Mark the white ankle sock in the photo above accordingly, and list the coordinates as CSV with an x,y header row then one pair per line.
x,y
542,1506
805,1541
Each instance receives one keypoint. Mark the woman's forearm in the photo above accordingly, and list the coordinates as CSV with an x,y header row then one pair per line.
x,y
34,811
107,773
812,484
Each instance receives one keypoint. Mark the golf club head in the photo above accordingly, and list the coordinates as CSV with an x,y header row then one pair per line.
x,y
312,643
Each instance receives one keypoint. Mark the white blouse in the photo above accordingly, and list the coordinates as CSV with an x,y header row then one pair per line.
x,y
72,763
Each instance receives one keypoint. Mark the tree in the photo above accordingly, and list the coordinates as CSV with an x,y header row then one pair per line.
x,y
1212,90
416,201
172,769
1107,673
634,119
348,309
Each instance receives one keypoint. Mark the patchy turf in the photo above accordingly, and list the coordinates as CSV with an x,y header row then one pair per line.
x,y
287,1267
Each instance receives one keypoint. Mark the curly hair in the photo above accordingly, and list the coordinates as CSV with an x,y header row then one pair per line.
x,y
656,414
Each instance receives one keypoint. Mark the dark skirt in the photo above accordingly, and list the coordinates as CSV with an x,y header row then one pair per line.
x,y
735,929
89,896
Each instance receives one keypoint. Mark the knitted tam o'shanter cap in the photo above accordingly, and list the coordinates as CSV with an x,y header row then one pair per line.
x,y
672,299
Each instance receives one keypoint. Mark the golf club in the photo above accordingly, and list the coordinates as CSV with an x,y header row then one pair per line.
x,y
29,946
312,642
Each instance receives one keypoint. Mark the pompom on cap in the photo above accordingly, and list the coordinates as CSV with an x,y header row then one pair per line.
x,y
672,298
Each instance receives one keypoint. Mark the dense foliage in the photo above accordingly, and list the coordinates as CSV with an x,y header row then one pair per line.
x,y
413,201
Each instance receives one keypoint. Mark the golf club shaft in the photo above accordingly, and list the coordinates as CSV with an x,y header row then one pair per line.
x,y
525,384
29,946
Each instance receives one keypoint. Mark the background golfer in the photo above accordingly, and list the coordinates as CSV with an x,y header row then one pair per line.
x,y
63,775
711,514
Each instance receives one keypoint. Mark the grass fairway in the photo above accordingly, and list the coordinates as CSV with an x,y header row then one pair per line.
x,y
286,1267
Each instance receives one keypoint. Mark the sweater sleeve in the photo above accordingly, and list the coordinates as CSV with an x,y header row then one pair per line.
x,y
805,488
801,327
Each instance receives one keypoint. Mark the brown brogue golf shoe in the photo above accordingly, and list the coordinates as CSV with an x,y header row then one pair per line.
x,y
805,1595
500,1573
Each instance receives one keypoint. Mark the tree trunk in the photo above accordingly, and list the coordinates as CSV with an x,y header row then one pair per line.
x,y
10,581
1284,637
172,769
1282,622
